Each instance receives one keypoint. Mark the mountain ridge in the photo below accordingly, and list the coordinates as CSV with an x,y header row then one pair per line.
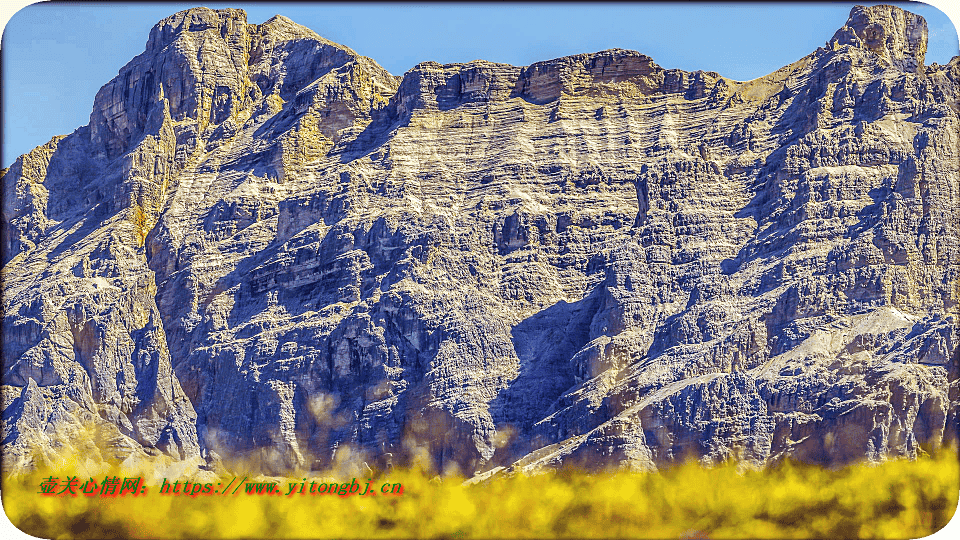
x,y
589,260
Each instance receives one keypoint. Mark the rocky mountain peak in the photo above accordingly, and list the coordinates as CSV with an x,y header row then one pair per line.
x,y
280,27
896,35
209,67
225,21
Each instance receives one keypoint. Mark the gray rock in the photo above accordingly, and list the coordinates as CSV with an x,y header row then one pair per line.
x,y
264,247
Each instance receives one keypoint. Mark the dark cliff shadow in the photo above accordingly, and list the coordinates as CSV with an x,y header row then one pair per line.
x,y
870,216
87,224
383,122
545,343
76,185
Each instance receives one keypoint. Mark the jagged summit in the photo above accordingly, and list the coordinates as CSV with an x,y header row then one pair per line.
x,y
211,66
196,20
226,22
266,246
896,35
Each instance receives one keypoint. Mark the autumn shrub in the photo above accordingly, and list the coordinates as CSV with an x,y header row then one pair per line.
x,y
895,499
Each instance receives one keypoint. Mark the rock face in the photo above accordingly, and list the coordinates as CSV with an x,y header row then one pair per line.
x,y
265,246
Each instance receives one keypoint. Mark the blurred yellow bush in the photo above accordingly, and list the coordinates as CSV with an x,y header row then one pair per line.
x,y
895,499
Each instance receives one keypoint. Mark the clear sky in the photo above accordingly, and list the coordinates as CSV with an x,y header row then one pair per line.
x,y
56,56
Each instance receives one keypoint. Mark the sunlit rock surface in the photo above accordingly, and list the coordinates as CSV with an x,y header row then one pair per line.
x,y
264,246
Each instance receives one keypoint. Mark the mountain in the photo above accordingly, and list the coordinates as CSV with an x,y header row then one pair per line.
x,y
265,247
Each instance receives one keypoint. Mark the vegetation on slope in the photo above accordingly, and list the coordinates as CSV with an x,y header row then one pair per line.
x,y
895,499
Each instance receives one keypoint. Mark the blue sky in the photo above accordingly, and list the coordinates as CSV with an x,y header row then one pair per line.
x,y
56,56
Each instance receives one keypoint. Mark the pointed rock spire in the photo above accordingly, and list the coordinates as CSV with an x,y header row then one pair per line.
x,y
898,36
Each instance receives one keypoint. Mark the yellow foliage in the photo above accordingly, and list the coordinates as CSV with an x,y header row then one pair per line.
x,y
140,229
896,499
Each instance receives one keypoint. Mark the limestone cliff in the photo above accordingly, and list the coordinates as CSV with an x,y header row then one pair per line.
x,y
264,245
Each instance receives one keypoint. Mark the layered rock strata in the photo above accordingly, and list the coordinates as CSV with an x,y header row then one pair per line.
x,y
264,246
